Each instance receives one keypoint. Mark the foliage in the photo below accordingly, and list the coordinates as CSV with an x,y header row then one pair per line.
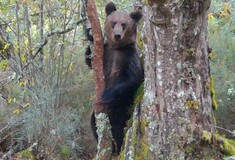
x,y
49,89
222,40
226,145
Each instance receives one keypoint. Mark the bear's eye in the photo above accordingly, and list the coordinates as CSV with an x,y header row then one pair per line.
x,y
124,25
113,24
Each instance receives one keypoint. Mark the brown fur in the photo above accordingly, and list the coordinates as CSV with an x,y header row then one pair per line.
x,y
128,34
122,68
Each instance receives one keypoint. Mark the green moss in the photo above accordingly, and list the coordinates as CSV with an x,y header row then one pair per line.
x,y
133,141
122,154
212,56
229,146
190,148
134,133
212,90
139,146
226,145
143,151
191,51
207,136
26,154
214,120
192,104
138,99
139,39
148,2
207,86
64,151
139,95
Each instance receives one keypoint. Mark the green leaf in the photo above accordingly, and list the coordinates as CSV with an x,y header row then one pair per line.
x,y
4,65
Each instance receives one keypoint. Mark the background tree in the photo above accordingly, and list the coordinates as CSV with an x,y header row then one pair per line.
x,y
221,34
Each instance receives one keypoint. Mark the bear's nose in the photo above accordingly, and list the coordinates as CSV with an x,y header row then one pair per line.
x,y
117,36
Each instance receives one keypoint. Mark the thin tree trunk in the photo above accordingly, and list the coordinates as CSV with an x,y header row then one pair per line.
x,y
61,55
29,50
177,106
26,17
51,61
41,29
102,121
18,34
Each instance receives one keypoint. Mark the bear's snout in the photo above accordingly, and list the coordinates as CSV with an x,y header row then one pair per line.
x,y
117,36
118,31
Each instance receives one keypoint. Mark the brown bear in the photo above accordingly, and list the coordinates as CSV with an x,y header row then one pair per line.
x,y
122,68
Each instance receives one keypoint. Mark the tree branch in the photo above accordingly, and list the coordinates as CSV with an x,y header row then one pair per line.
x,y
49,35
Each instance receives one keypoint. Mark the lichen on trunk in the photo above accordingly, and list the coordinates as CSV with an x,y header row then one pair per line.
x,y
177,105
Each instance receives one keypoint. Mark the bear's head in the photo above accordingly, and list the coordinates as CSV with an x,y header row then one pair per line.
x,y
120,27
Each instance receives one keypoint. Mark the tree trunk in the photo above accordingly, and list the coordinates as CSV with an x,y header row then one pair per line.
x,y
177,107
41,28
104,148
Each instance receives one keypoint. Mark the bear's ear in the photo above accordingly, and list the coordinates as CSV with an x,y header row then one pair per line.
x,y
136,16
110,7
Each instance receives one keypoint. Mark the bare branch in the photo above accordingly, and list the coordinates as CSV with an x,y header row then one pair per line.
x,y
49,35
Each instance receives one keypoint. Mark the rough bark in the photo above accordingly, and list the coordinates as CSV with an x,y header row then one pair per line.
x,y
177,106
98,49
102,121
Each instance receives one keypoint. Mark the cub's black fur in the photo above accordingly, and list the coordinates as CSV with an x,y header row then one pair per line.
x,y
88,53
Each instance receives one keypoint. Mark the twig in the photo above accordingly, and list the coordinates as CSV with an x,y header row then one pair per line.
x,y
4,138
3,128
6,23
49,35
224,129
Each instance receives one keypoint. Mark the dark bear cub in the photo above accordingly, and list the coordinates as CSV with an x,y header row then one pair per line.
x,y
122,68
